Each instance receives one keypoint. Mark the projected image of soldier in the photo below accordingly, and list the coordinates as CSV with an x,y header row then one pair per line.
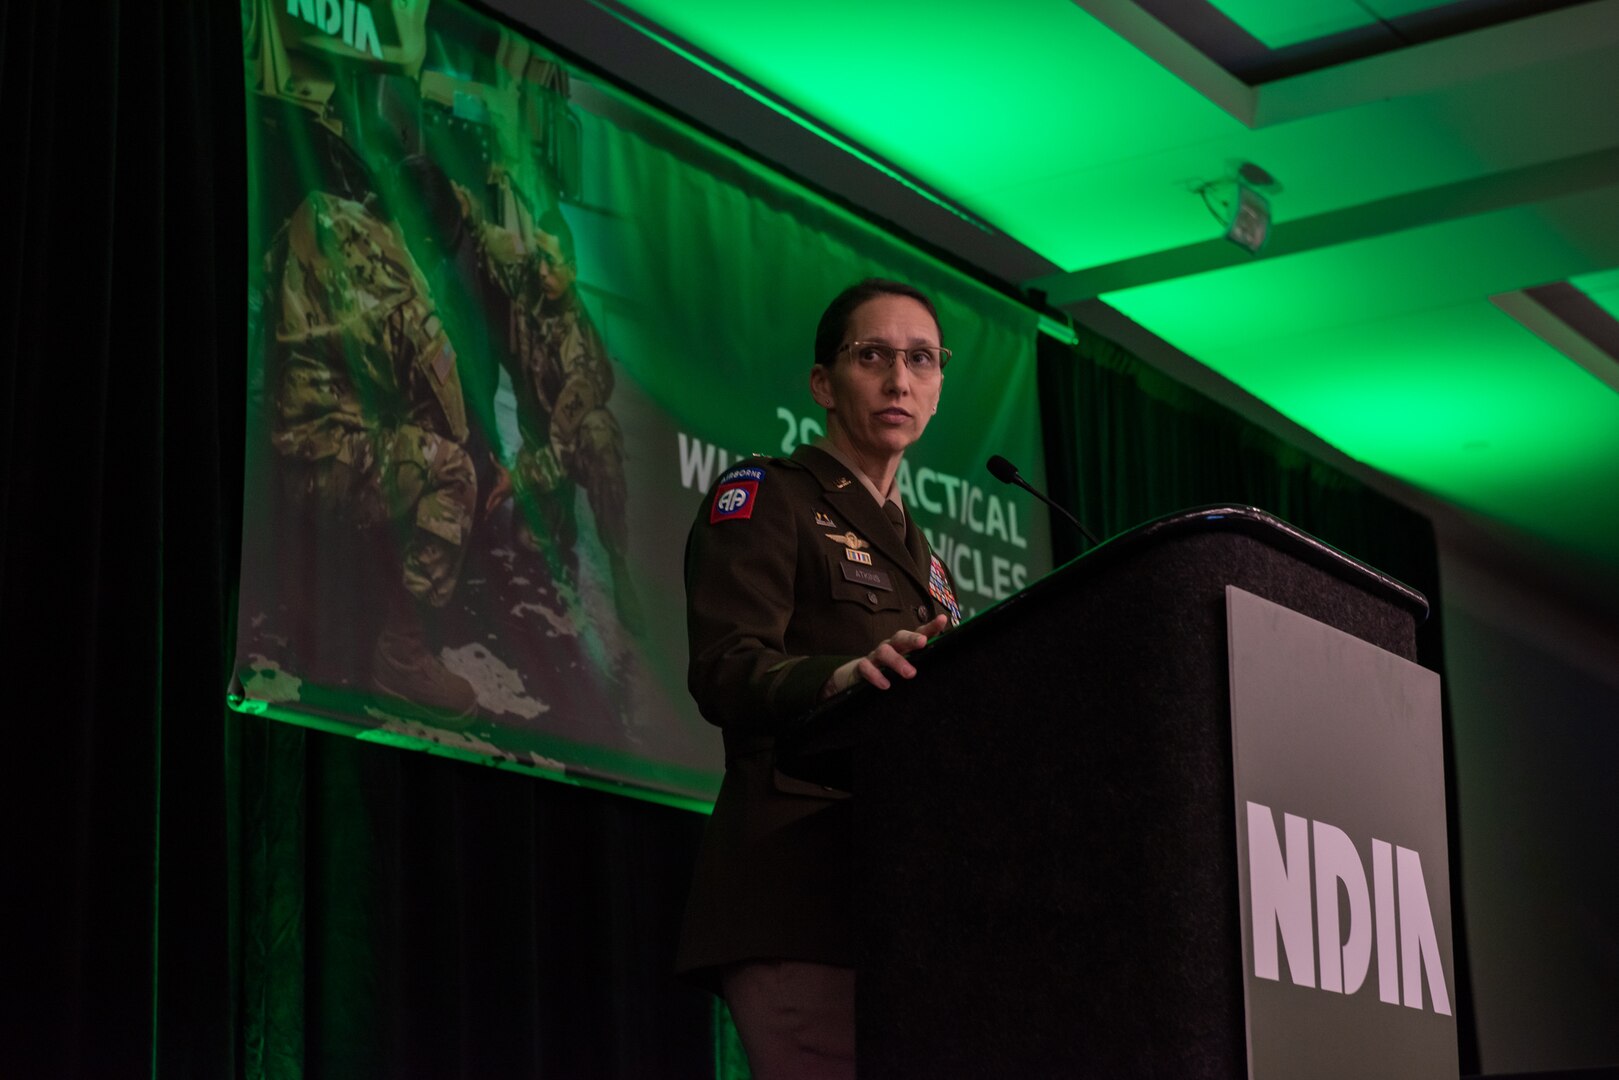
x,y
570,437
369,419
500,256
362,381
524,272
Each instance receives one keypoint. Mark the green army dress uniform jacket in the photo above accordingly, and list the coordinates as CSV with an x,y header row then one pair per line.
x,y
792,569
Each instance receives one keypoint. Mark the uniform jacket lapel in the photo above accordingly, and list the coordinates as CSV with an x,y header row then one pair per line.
x,y
921,554
861,512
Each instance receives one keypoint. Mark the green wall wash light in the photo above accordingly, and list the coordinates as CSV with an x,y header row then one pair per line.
x,y
787,111
956,100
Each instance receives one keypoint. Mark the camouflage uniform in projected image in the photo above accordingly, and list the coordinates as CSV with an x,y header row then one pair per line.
x,y
506,151
570,438
562,379
366,407
367,399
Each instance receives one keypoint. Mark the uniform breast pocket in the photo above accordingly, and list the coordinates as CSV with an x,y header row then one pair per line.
x,y
871,587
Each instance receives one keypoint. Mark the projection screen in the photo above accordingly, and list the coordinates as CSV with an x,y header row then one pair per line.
x,y
507,324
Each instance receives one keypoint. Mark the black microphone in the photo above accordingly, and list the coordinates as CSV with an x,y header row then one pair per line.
x,y
1007,473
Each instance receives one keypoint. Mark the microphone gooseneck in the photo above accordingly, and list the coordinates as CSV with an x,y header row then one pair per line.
x,y
1007,473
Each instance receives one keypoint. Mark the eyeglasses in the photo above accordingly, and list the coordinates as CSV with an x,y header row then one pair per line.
x,y
924,362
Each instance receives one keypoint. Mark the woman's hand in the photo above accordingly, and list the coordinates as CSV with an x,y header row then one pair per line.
x,y
889,654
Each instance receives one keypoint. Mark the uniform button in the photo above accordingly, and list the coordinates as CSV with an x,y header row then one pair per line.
x,y
922,613
871,598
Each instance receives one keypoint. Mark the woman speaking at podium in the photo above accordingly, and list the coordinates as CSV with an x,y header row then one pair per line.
x,y
805,575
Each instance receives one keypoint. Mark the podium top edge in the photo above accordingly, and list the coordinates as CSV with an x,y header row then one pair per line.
x,y
1261,525
804,735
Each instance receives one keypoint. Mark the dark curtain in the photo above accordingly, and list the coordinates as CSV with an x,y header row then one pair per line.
x,y
1126,444
198,893
123,393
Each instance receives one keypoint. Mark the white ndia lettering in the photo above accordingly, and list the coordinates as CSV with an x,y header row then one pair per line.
x,y
351,19
1388,972
1343,967
365,33
1392,915
1419,945
1279,895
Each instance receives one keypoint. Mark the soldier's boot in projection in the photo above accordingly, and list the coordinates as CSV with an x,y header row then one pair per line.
x,y
429,481
404,668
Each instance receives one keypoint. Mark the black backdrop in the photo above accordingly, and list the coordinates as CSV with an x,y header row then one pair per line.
x,y
195,893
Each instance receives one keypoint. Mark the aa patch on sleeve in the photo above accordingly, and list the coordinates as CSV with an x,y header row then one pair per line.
x,y
733,501
734,498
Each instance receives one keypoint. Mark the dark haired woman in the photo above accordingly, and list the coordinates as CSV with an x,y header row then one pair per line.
x,y
803,576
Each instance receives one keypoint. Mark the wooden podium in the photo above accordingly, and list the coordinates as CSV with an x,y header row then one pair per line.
x,y
1045,833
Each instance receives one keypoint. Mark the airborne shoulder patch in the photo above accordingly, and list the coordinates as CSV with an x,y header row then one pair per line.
x,y
738,490
742,472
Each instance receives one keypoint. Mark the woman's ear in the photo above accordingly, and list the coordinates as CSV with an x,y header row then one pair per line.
x,y
820,381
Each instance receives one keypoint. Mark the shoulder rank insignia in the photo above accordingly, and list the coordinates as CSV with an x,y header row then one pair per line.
x,y
849,540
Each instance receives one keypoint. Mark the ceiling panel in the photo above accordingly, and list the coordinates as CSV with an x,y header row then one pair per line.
x,y
1328,291
966,104
1390,350
1281,25
1424,180
1262,41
